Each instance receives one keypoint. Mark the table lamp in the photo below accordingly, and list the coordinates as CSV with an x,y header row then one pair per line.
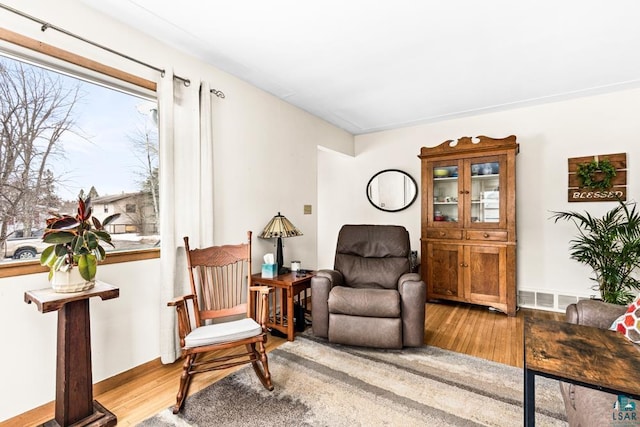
x,y
279,227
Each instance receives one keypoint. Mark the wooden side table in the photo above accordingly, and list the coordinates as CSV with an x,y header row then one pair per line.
x,y
74,383
286,287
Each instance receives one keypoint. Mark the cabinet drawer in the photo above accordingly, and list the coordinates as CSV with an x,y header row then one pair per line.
x,y
444,234
500,236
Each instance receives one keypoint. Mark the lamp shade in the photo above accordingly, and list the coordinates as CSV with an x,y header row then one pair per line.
x,y
279,226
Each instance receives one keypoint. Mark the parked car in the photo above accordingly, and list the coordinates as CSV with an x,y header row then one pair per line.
x,y
19,247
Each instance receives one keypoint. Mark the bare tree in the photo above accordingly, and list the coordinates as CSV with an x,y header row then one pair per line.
x,y
36,109
145,146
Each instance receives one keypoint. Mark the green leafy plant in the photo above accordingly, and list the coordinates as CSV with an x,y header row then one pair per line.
x,y
611,247
76,241
588,172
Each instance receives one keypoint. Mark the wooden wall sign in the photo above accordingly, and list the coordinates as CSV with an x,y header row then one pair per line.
x,y
587,181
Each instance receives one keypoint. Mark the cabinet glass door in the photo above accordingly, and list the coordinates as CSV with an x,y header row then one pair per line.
x,y
485,191
445,193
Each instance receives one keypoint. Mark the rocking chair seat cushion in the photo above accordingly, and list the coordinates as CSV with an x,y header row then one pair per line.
x,y
222,332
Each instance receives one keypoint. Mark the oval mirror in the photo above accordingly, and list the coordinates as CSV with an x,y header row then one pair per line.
x,y
392,190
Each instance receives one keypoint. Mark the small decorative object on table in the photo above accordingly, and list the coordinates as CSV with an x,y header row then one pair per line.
x,y
75,242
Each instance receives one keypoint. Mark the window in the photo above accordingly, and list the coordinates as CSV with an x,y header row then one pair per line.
x,y
82,138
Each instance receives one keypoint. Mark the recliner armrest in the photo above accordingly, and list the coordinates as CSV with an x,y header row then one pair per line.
x,y
413,297
594,313
414,277
334,276
321,285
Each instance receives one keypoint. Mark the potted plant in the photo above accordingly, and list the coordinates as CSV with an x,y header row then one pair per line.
x,y
611,247
75,242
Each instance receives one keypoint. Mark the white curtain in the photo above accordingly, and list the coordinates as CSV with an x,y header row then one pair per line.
x,y
206,166
186,192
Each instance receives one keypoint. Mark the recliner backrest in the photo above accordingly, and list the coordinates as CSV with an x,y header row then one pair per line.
x,y
372,256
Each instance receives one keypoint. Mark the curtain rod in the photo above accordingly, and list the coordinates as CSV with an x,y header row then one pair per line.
x,y
46,25
218,93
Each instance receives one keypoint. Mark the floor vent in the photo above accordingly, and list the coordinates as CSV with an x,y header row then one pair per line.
x,y
545,300
526,298
565,300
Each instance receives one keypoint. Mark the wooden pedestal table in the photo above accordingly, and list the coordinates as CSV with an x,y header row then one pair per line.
x,y
74,383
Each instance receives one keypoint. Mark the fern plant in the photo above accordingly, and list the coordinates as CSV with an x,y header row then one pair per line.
x,y
610,245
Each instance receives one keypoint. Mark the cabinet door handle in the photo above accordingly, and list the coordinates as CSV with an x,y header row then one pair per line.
x,y
461,192
486,235
442,234
466,191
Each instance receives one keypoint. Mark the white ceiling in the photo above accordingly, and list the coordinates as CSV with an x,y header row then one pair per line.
x,y
367,65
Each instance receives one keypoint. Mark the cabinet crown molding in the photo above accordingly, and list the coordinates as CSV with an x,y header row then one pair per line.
x,y
467,144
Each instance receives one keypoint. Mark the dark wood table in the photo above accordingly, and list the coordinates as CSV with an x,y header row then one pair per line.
x,y
583,355
286,287
74,382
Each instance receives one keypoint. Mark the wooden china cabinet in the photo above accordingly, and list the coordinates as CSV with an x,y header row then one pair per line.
x,y
468,232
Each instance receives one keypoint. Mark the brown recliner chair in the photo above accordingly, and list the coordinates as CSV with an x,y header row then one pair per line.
x,y
370,298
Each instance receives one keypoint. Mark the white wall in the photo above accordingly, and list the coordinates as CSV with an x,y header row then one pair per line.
x,y
124,333
548,135
265,162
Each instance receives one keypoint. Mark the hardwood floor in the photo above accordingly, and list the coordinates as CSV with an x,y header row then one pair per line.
x,y
480,332
145,390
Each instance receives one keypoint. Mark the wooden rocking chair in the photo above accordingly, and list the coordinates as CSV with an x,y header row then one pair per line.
x,y
220,287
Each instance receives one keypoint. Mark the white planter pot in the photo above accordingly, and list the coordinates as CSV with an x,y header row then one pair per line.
x,y
70,281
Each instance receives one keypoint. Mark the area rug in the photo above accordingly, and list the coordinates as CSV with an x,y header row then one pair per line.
x,y
321,384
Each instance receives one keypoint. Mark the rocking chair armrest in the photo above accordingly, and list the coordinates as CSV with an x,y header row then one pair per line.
x,y
261,309
261,289
182,310
181,300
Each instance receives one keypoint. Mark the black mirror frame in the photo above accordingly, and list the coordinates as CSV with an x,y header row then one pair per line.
x,y
413,181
